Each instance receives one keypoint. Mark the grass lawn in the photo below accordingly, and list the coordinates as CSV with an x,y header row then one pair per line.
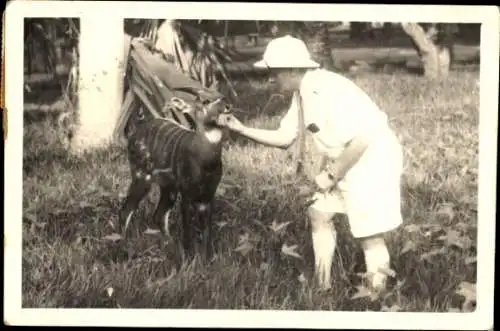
x,y
70,206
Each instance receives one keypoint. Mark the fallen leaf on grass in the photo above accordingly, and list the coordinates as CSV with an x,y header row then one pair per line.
x,y
35,225
221,224
412,228
265,188
85,204
446,209
243,238
454,238
30,217
409,246
264,266
399,284
364,292
470,260
112,237
301,278
468,291
427,234
462,226
277,227
151,231
221,191
244,248
290,251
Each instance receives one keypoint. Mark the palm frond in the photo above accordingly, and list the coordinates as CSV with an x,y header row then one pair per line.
x,y
157,83
195,52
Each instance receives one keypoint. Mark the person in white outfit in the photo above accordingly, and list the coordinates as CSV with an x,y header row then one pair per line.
x,y
363,178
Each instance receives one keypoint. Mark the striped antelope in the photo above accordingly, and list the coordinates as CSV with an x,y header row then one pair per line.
x,y
182,161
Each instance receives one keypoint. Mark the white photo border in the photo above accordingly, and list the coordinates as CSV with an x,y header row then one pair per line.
x,y
482,318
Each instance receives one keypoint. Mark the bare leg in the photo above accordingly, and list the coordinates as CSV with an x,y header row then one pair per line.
x,y
376,257
324,239
136,192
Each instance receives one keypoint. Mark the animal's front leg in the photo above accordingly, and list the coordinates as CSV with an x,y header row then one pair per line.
x,y
205,212
188,228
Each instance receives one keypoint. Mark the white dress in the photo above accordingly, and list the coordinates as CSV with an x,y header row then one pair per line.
x,y
370,192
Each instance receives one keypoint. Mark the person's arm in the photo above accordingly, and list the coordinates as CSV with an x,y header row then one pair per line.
x,y
274,138
356,128
356,132
282,137
335,172
349,157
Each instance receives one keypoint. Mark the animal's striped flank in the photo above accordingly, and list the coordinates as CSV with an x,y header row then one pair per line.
x,y
161,139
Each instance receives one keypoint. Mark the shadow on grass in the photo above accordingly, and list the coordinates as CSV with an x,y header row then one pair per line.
x,y
33,162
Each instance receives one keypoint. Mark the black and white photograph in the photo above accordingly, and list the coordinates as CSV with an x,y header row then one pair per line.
x,y
210,164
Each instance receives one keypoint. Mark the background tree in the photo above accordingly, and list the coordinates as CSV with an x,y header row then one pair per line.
x,y
434,46
316,36
101,65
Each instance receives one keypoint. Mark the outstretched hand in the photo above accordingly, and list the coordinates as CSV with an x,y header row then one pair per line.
x,y
230,122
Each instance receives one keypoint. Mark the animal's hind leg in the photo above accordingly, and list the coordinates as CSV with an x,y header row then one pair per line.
x,y
137,190
164,209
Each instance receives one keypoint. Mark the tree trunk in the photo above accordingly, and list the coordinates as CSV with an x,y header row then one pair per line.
x,y
435,57
102,64
317,40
